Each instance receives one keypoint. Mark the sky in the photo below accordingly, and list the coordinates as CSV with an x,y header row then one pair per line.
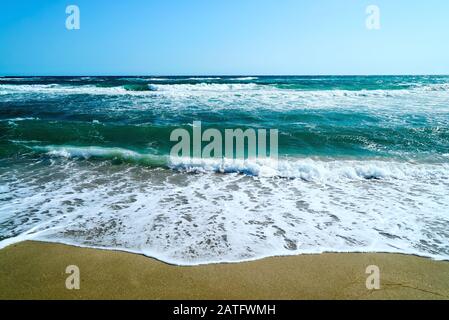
x,y
224,37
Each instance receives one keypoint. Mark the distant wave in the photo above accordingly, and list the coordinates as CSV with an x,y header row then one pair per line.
x,y
434,87
120,90
13,79
139,87
63,89
207,87
204,78
244,78
139,79
20,119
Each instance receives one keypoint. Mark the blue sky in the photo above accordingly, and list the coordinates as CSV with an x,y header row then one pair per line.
x,y
205,37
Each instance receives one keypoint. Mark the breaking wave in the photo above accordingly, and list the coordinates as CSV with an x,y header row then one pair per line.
x,y
197,88
302,168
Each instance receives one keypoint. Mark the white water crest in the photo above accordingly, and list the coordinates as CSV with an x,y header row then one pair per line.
x,y
431,98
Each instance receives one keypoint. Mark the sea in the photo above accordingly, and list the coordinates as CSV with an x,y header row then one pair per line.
x,y
363,166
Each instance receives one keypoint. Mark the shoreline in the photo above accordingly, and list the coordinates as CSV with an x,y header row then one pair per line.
x,y
36,270
436,258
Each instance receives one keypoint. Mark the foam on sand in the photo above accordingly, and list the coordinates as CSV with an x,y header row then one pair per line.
x,y
202,218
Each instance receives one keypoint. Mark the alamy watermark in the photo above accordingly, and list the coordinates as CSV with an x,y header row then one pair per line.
x,y
373,280
373,20
72,21
73,280
237,144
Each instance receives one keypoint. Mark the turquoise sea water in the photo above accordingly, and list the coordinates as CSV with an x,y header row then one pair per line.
x,y
363,165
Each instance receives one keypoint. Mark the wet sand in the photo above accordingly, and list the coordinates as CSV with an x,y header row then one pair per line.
x,y
36,270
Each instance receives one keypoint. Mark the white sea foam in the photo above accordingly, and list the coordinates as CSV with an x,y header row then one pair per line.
x,y
207,217
62,89
255,94
245,78
20,119
144,79
82,79
94,90
18,79
220,87
204,78
208,88
312,170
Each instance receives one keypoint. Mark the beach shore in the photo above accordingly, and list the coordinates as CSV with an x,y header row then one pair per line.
x,y
36,270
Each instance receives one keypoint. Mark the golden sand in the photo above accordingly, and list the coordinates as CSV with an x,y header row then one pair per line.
x,y
36,270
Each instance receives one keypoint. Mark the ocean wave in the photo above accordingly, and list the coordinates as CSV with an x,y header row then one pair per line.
x,y
244,78
206,87
313,170
306,169
203,78
136,89
60,89
214,87
139,87
20,119
433,87
246,96
14,79
89,152
79,79
140,79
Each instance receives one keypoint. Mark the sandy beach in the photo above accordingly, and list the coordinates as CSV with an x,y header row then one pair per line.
x,y
36,270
